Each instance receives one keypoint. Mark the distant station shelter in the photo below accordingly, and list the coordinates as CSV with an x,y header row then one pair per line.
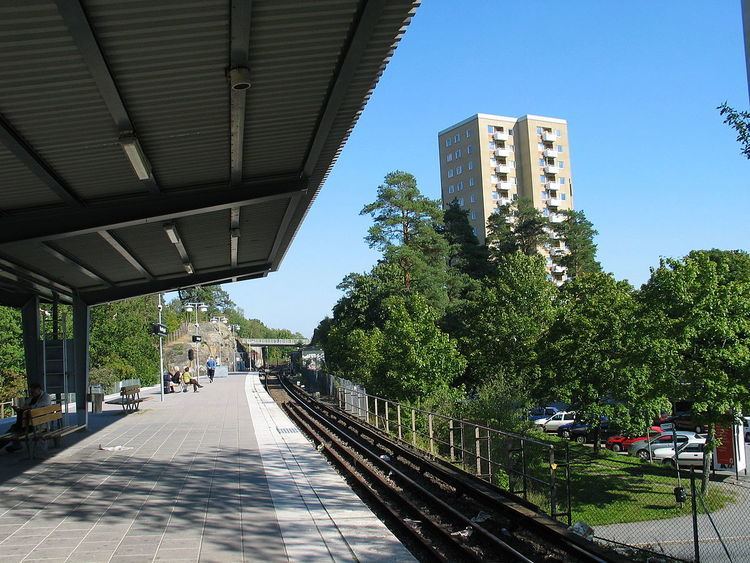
x,y
146,147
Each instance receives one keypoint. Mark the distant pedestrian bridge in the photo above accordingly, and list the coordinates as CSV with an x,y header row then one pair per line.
x,y
275,341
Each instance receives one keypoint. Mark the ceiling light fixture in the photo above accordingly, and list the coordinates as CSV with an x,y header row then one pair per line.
x,y
138,160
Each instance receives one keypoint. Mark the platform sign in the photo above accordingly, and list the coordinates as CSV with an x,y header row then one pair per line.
x,y
730,455
159,329
197,338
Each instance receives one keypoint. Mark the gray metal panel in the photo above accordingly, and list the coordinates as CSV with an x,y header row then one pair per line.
x,y
95,253
18,184
294,49
206,239
48,96
151,246
258,225
33,256
169,59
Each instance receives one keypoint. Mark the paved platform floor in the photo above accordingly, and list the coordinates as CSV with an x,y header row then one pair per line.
x,y
219,475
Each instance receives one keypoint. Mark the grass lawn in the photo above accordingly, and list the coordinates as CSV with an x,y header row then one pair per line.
x,y
614,489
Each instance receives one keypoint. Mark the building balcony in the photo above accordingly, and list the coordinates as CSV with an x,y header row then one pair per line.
x,y
550,153
503,151
505,186
504,201
552,186
551,169
549,136
500,136
556,218
557,269
558,252
553,202
503,168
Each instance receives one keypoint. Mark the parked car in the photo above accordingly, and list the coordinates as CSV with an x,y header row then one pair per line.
x,y
545,413
620,443
558,420
689,453
664,440
582,432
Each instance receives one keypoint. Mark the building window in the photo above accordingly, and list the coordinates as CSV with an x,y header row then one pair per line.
x,y
448,142
493,179
471,182
540,146
468,133
449,157
450,172
450,189
495,195
545,194
557,133
459,169
457,138
473,198
561,164
538,130
515,197
473,215
561,179
491,145
490,129
459,186
545,212
541,162
469,149
458,153
471,165
461,201
510,131
563,197
559,148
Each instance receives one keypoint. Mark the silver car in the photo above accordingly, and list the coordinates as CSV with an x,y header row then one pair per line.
x,y
664,440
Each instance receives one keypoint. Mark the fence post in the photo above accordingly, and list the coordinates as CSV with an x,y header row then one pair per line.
x,y
478,446
450,439
413,427
694,504
432,437
552,492
387,422
463,448
398,419
376,412
489,455
367,408
524,471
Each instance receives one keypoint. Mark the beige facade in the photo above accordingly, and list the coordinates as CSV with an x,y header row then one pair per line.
x,y
489,160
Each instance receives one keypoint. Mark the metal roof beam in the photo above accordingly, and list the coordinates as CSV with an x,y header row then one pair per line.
x,y
122,250
33,278
371,13
83,35
23,152
248,270
234,235
239,82
274,257
66,258
139,210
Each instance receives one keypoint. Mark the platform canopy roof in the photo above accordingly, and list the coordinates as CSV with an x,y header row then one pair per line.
x,y
150,145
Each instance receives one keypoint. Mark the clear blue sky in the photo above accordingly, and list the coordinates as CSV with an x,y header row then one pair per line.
x,y
654,167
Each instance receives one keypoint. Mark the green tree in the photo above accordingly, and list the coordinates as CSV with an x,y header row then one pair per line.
x,y
404,230
216,298
12,363
740,122
466,255
503,321
516,227
698,319
590,357
578,234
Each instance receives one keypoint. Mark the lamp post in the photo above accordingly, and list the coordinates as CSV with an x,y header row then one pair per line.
x,y
203,308
161,349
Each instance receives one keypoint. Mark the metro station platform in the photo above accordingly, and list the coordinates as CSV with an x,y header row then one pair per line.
x,y
219,475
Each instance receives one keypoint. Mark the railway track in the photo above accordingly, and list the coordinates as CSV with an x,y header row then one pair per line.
x,y
447,514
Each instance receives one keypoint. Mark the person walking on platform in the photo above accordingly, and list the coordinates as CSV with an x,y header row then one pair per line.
x,y
211,368
188,379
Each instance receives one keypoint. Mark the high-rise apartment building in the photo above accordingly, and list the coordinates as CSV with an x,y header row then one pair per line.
x,y
490,160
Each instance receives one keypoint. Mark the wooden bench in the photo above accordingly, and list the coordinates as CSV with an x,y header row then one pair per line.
x,y
42,424
130,398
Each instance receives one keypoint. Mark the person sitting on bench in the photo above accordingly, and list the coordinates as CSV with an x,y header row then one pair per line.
x,y
37,398
187,379
168,385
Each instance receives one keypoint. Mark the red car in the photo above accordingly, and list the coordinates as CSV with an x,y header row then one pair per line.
x,y
622,443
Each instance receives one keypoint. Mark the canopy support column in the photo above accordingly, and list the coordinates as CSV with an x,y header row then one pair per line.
x,y
32,345
81,329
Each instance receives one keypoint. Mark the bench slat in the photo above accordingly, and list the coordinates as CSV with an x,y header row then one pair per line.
x,y
45,410
37,420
